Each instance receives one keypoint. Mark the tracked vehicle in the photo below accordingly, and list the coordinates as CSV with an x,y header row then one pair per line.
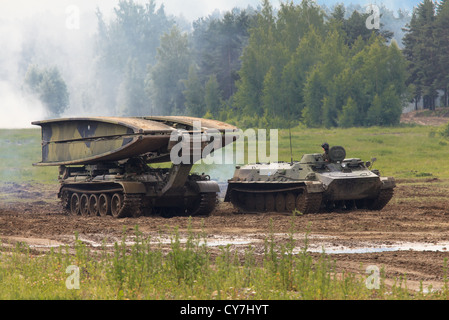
x,y
105,164
313,184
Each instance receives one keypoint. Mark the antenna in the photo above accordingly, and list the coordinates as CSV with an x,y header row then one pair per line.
x,y
291,151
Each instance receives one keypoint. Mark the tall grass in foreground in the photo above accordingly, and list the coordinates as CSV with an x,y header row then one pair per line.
x,y
185,270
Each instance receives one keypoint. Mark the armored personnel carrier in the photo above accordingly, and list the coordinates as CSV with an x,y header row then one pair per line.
x,y
105,164
318,182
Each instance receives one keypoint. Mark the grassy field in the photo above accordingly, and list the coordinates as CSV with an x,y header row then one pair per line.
x,y
402,152
186,272
19,150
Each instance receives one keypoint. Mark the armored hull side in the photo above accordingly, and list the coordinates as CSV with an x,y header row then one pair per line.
x,y
310,185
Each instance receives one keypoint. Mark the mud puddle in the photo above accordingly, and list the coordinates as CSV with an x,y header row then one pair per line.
x,y
315,243
374,248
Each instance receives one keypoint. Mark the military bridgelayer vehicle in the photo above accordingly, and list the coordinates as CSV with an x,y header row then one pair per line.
x,y
318,182
104,164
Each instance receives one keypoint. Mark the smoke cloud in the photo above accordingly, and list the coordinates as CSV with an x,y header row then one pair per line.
x,y
17,109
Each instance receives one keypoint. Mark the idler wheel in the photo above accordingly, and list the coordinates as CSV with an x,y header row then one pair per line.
x,y
104,204
75,204
84,204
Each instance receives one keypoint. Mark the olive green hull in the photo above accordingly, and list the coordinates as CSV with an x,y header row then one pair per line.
x,y
311,185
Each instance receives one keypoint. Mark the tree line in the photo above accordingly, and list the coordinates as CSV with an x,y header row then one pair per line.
x,y
426,50
323,71
151,66
265,67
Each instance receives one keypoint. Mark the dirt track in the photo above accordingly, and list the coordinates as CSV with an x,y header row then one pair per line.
x,y
417,218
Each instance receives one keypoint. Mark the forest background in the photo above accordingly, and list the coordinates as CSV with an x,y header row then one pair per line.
x,y
298,64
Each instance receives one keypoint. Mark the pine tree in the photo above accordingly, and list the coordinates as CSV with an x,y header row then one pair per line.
x,y
391,106
258,57
294,74
441,35
194,94
212,96
218,45
323,83
330,112
348,116
294,21
165,84
313,98
421,52
132,34
377,71
268,84
374,115
132,100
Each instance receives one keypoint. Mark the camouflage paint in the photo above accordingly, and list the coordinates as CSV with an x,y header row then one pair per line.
x,y
79,141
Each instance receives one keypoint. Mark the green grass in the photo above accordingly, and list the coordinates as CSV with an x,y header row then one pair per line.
x,y
19,150
186,271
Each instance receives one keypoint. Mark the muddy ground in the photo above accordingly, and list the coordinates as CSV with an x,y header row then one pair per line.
x,y
410,237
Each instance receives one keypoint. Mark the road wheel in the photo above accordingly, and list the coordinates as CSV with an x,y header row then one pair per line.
x,y
280,202
93,205
308,202
75,204
290,202
260,203
250,202
104,204
84,204
270,204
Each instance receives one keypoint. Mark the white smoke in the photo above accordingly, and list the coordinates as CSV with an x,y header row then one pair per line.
x,y
17,109
61,37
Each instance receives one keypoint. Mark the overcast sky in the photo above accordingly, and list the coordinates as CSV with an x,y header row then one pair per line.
x,y
190,9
